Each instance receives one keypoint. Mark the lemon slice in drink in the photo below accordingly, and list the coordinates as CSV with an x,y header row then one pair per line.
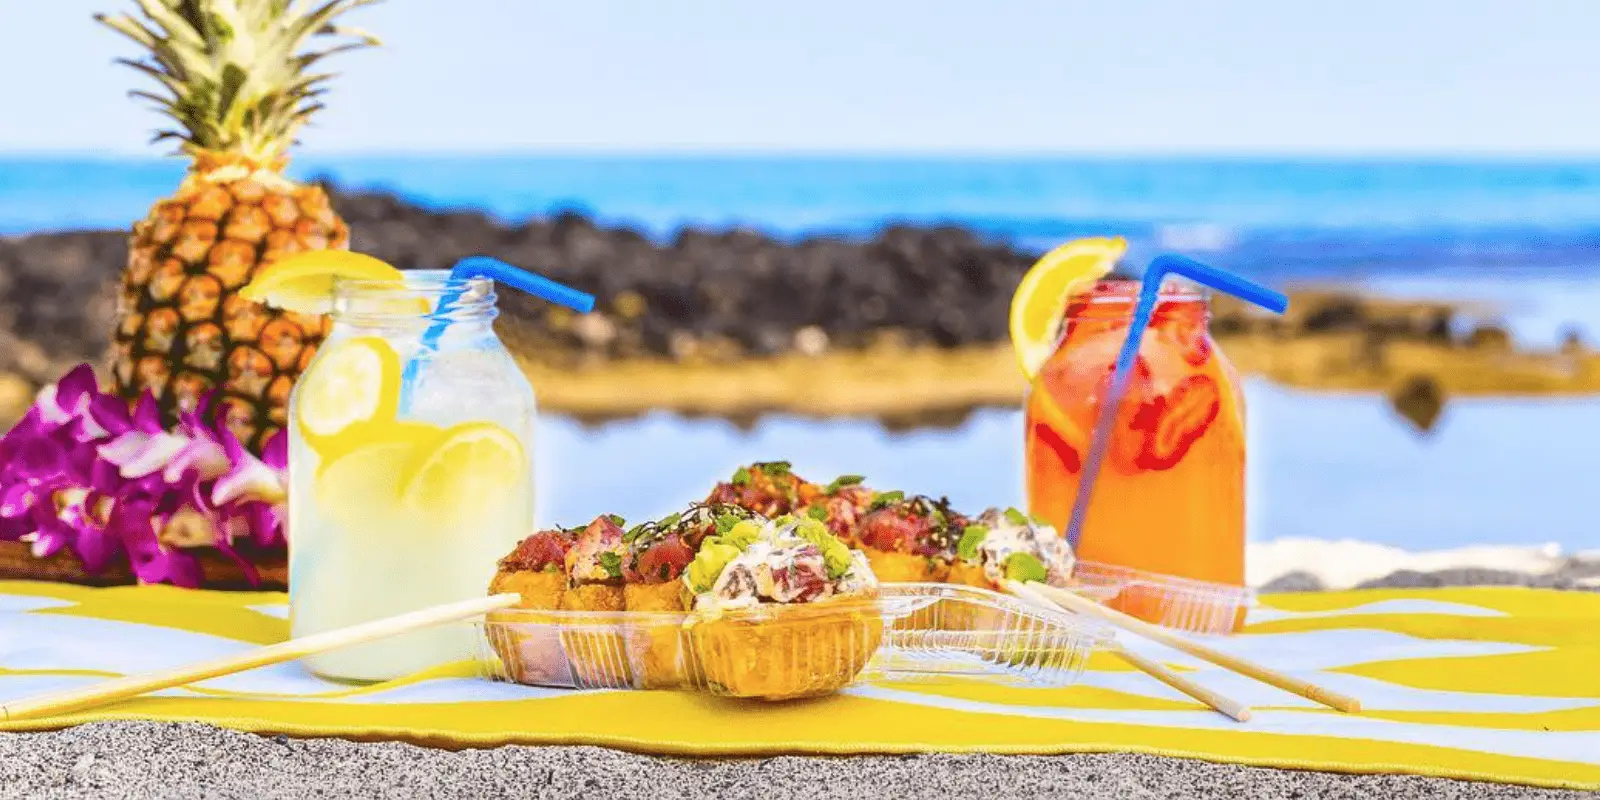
x,y
468,469
356,489
370,434
303,282
1044,292
351,382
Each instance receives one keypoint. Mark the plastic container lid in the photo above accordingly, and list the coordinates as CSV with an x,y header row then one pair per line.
x,y
1169,601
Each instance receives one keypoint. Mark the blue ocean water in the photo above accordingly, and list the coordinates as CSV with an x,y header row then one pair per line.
x,y
1524,237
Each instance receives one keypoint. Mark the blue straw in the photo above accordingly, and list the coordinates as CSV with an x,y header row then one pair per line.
x,y
1149,293
496,270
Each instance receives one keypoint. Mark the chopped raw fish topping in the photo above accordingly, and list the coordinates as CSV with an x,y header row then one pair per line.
x,y
917,525
841,505
787,560
768,488
543,551
657,551
598,555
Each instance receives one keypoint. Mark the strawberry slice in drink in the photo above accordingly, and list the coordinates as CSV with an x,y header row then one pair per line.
x,y
1173,422
1052,453
1082,379
1059,442
1180,330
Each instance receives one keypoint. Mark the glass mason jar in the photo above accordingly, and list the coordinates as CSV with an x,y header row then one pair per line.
x,y
1167,510
410,468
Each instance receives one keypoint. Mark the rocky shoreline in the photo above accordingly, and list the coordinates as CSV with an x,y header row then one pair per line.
x,y
710,307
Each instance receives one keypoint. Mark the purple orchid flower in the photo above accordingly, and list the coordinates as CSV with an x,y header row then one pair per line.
x,y
83,473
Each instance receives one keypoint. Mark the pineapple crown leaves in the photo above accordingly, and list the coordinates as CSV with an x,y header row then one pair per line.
x,y
237,72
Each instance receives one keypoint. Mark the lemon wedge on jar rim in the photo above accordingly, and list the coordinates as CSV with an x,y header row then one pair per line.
x,y
303,282
1046,289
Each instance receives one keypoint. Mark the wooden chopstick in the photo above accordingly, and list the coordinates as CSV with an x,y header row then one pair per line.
x,y
1216,700
1288,683
134,685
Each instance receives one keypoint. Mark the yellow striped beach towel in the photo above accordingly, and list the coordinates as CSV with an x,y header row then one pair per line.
x,y
1495,684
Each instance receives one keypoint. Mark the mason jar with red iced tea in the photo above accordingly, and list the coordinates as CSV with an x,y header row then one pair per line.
x,y
1166,520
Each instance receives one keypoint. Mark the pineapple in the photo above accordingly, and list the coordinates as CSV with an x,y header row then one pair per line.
x,y
238,86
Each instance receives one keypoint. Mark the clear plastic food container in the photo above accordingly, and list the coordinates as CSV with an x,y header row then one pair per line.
x,y
1172,602
774,652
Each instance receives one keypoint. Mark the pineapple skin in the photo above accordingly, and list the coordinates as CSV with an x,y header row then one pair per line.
x,y
182,329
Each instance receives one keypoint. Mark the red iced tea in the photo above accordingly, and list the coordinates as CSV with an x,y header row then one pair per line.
x,y
1169,497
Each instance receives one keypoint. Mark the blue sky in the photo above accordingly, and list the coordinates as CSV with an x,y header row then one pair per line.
x,y
1003,76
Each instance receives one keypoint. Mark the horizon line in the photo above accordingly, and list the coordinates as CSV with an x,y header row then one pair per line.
x,y
909,154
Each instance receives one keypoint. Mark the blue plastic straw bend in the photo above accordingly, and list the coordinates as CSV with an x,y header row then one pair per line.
x,y
1149,294
499,271
536,285
1227,282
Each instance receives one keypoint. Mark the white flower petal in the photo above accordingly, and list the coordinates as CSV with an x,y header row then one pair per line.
x,y
137,460
250,480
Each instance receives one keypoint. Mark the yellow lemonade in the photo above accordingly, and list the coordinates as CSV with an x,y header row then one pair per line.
x,y
398,504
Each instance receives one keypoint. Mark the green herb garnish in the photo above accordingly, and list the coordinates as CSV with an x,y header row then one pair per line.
x,y
616,520
634,533
612,564
741,477
817,513
843,481
887,499
1016,517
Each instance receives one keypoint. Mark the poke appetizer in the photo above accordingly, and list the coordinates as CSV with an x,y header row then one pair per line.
x,y
998,546
769,488
658,554
1002,545
535,569
594,567
910,539
594,583
840,506
786,610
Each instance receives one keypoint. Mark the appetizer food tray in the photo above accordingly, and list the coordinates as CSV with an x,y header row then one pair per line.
x,y
774,652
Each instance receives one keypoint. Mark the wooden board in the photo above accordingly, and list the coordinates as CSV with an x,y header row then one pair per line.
x,y
18,563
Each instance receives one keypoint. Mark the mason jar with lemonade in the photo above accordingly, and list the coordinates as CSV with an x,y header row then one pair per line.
x,y
410,455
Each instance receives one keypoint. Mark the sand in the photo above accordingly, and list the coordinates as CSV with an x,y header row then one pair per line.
x,y
149,760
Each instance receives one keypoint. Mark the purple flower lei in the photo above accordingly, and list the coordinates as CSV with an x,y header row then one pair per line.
x,y
80,472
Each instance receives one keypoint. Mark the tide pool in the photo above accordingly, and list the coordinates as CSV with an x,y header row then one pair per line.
x,y
1320,466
